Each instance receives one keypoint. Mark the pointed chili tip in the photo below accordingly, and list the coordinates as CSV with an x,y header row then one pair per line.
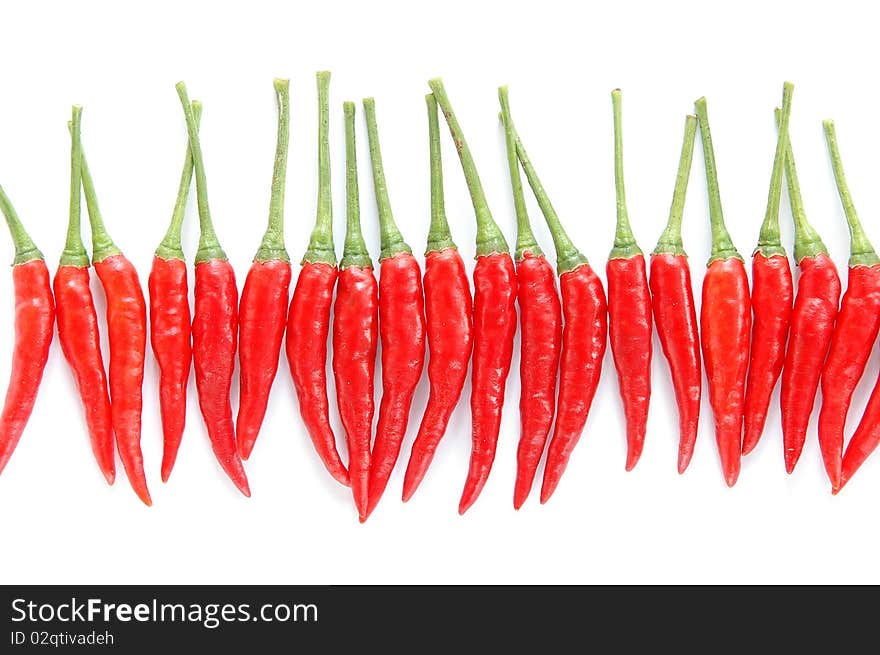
x,y
632,458
406,495
110,476
546,493
146,500
731,478
244,487
519,499
464,505
165,475
684,460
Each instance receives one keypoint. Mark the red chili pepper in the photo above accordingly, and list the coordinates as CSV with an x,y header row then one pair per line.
x,y
401,328
541,330
355,333
674,311
170,319
812,323
308,319
78,322
725,321
127,335
449,323
629,312
34,325
263,307
584,335
494,318
855,331
772,294
215,322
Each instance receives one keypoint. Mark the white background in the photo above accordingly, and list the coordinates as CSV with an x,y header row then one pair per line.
x,y
60,521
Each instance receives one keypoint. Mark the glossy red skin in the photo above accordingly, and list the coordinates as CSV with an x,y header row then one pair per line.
x,y
725,326
772,295
34,326
864,441
262,317
127,334
676,318
170,337
494,328
630,334
540,322
355,337
402,332
81,345
812,325
855,332
215,337
450,330
308,322
584,338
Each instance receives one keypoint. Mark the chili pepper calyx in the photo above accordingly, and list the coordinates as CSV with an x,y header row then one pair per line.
x,y
769,242
354,252
568,257
625,245
321,248
670,241
525,238
25,250
862,253
439,235
490,239
74,253
272,246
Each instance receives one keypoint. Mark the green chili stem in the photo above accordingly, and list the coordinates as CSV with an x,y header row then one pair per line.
x,y
722,245
392,242
321,248
439,235
209,246
525,239
74,253
354,252
769,242
861,251
25,250
272,246
670,241
102,245
625,245
171,248
568,257
490,239
807,242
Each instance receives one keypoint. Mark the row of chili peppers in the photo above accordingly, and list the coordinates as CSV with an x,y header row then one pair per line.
x,y
749,339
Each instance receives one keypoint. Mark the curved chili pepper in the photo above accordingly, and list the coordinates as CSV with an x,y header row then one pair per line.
x,y
540,330
772,294
263,307
674,311
127,335
584,335
308,319
215,322
78,322
34,325
170,319
629,312
812,323
495,288
725,321
401,329
449,324
855,330
355,333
